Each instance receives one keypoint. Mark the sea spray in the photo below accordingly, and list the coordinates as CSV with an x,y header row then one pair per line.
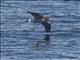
x,y
31,25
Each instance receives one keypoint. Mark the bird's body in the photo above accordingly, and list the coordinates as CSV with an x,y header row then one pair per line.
x,y
41,19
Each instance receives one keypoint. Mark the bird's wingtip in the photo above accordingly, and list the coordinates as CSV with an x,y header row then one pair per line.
x,y
28,11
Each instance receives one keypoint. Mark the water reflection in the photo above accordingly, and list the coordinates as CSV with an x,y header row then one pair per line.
x,y
43,43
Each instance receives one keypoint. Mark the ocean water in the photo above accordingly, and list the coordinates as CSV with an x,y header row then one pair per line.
x,y
22,40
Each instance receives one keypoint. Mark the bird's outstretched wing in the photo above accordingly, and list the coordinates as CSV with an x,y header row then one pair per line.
x,y
43,20
37,16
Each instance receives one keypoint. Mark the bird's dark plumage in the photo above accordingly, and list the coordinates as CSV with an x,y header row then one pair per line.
x,y
39,17
47,26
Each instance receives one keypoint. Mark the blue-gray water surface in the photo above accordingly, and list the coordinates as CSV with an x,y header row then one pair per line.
x,y
23,40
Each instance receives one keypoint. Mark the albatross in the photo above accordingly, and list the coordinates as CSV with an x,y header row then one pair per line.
x,y
44,20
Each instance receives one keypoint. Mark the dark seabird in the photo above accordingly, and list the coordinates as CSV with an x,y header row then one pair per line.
x,y
44,20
